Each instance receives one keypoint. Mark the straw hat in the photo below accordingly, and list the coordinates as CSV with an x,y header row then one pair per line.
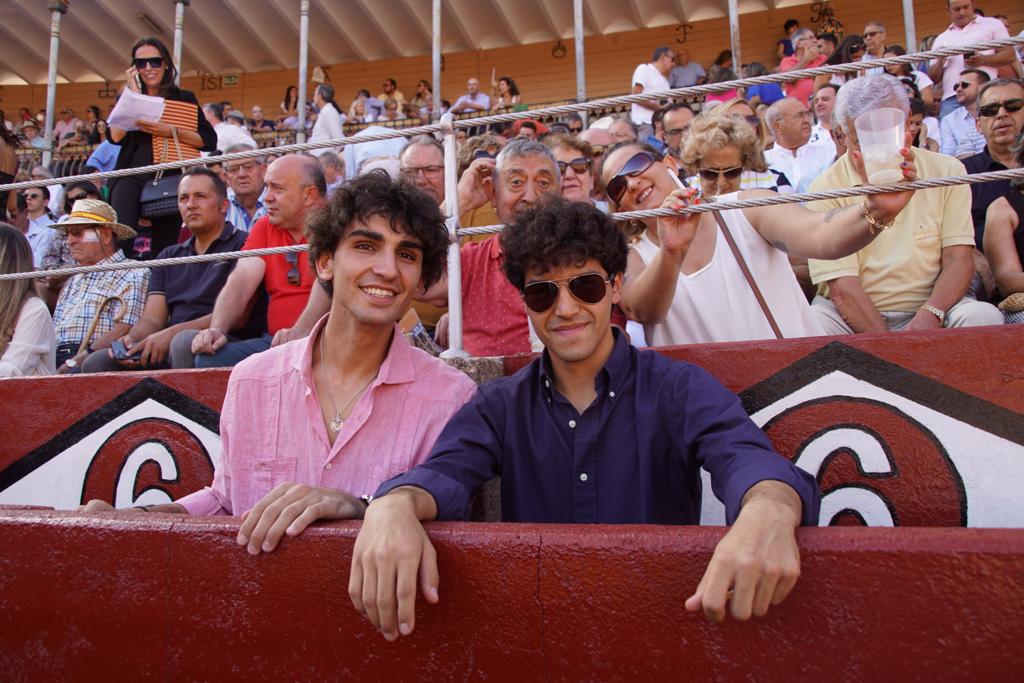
x,y
94,213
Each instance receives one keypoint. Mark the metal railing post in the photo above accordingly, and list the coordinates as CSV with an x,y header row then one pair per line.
x,y
57,9
436,57
581,67
179,35
300,135
451,208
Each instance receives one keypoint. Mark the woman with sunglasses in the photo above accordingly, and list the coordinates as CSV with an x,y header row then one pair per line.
x,y
152,73
576,166
28,345
683,282
712,130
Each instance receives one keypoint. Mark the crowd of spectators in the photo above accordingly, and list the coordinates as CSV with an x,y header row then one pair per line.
x,y
923,261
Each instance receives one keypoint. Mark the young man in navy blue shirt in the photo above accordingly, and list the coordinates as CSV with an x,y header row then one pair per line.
x,y
592,431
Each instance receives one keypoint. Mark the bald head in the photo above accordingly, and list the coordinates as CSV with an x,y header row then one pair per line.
x,y
295,184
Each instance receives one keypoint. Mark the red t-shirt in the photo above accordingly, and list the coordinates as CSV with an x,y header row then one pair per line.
x,y
286,300
493,315
803,89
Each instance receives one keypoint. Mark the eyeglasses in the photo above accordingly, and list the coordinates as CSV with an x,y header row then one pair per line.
x,y
752,120
677,131
857,47
294,277
33,195
634,166
962,85
248,166
579,166
576,130
871,34
992,109
715,174
151,62
483,154
427,171
589,288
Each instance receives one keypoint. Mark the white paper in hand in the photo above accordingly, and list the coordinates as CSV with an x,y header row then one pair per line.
x,y
132,107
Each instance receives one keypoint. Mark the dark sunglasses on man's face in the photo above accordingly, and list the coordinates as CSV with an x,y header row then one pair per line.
x,y
962,85
33,195
635,165
579,165
992,109
576,130
589,288
294,278
151,62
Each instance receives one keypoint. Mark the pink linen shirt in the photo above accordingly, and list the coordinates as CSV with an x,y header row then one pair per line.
x,y
979,30
272,430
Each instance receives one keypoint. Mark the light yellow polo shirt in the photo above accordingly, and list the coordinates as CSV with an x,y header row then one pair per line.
x,y
899,268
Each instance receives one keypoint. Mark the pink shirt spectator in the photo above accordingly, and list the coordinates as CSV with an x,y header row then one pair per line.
x,y
494,319
803,89
722,96
981,29
272,431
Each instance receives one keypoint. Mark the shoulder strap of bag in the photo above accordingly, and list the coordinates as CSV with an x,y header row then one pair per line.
x,y
746,274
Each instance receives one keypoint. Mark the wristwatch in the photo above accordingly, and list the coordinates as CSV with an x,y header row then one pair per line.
x,y
937,312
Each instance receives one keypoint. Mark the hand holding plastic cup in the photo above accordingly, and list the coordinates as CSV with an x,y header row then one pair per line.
x,y
880,135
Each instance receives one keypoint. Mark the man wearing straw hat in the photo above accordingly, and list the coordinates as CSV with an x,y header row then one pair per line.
x,y
98,307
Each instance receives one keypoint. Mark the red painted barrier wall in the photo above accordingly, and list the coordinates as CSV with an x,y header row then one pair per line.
x,y
161,597
907,429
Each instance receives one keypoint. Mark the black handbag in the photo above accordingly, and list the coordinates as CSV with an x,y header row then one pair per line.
x,y
160,197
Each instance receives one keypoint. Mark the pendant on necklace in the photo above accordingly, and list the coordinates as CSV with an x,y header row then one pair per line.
x,y
336,422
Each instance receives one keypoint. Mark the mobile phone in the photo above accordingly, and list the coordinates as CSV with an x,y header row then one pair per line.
x,y
121,352
138,82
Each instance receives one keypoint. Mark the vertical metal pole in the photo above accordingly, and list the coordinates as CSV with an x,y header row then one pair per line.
x,y
57,9
908,25
581,68
300,136
437,60
451,207
179,34
734,37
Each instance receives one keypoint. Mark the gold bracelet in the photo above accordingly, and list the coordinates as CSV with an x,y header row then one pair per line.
x,y
875,226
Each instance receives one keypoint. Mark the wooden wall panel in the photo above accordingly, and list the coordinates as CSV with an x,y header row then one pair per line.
x,y
541,77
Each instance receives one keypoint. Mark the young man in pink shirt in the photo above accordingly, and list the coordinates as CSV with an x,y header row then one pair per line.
x,y
311,427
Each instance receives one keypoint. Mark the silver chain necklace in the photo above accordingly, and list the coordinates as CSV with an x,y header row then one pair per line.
x,y
337,422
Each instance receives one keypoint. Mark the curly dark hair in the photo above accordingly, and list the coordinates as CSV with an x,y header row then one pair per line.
x,y
558,233
407,209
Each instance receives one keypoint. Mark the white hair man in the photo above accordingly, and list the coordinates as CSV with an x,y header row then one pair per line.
x,y
915,274
792,155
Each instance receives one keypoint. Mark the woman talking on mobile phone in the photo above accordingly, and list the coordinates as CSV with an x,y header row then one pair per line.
x,y
152,73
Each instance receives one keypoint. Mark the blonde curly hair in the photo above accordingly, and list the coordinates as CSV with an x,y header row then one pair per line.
x,y
716,129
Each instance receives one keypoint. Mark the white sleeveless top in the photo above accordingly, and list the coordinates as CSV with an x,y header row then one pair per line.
x,y
715,304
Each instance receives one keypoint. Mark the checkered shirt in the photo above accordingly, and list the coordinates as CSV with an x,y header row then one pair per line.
x,y
85,293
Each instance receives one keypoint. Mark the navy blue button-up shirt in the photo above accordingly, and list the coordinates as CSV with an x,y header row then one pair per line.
x,y
633,456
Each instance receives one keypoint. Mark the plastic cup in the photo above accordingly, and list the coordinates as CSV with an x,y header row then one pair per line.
x,y
880,134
